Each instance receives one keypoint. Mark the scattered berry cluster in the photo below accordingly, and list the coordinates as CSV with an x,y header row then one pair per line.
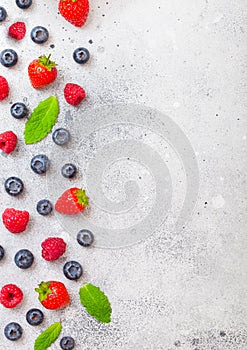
x,y
42,71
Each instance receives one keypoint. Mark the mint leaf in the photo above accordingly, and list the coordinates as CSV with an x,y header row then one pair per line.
x,y
41,121
96,303
46,338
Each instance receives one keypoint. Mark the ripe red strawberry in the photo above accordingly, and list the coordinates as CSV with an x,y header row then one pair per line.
x,y
17,30
72,201
53,248
53,295
42,72
74,11
10,296
4,88
74,94
15,220
8,141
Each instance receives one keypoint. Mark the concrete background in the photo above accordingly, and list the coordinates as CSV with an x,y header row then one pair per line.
x,y
175,290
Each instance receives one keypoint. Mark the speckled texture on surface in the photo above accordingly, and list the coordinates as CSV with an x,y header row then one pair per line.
x,y
175,290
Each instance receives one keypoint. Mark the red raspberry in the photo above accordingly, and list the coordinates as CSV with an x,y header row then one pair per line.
x,y
15,220
4,88
8,141
53,248
74,94
17,30
10,296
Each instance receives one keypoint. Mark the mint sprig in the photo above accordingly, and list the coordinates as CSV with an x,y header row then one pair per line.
x,y
96,303
41,121
46,338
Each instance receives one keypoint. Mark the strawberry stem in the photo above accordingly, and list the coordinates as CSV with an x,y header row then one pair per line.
x,y
82,197
43,290
46,62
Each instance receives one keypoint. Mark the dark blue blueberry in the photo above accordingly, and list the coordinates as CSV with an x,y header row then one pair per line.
x,y
69,170
61,136
13,331
23,4
72,270
34,317
1,252
13,186
85,238
40,164
3,14
81,55
8,58
67,343
19,110
44,207
39,35
24,259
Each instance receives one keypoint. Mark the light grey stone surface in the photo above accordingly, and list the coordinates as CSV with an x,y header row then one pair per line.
x,y
178,288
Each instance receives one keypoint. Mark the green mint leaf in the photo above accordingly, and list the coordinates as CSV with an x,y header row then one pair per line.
x,y
41,121
96,303
46,338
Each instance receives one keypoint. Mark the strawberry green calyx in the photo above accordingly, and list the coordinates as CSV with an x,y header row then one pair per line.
x,y
46,62
43,290
82,198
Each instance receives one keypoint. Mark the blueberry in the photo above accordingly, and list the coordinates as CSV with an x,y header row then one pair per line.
x,y
40,164
1,252
8,58
69,170
3,14
61,136
67,343
34,317
85,238
39,35
13,331
24,259
81,55
44,207
13,186
19,110
72,270
23,4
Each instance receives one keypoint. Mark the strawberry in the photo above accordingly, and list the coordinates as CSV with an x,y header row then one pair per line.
x,y
8,141
72,201
53,248
53,295
15,220
42,72
10,296
74,94
17,30
4,88
74,11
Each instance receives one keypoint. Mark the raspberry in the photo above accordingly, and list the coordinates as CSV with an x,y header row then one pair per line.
x,y
53,248
74,94
8,141
17,30
4,88
10,296
15,220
